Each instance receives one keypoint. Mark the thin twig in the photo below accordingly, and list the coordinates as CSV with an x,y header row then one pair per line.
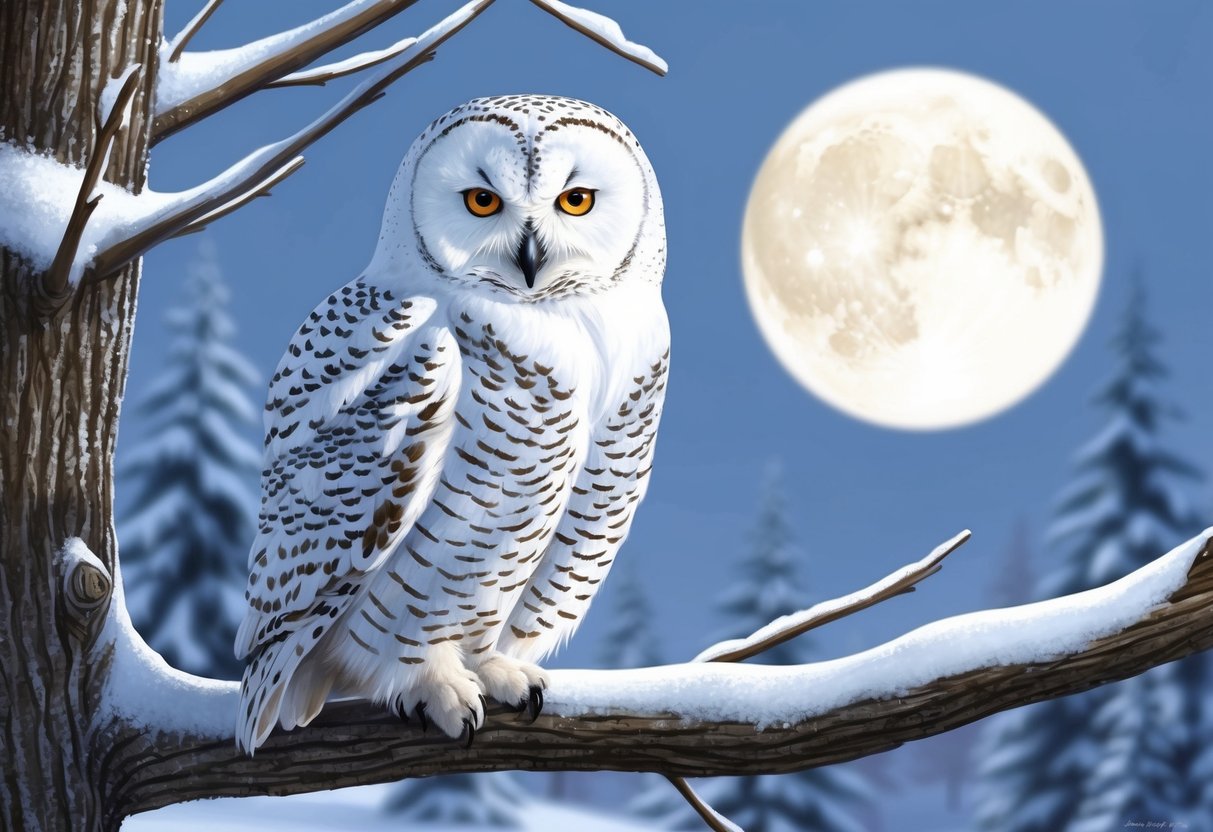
x,y
714,820
605,31
274,65
261,190
55,280
257,167
320,75
191,29
791,626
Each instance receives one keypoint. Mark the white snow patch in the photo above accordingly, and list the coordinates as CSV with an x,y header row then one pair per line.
x,y
605,29
196,72
766,696
109,93
354,63
144,690
37,195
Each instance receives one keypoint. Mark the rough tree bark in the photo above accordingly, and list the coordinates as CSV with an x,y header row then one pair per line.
x,y
62,385
95,727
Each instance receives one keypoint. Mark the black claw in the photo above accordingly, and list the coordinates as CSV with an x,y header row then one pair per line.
x,y
420,712
535,703
484,703
471,729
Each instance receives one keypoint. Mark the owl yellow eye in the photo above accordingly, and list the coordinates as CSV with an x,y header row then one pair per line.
x,y
481,203
577,201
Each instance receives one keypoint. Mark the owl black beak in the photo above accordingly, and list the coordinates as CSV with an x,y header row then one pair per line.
x,y
530,255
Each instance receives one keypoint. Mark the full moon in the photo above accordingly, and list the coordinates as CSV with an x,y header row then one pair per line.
x,y
922,248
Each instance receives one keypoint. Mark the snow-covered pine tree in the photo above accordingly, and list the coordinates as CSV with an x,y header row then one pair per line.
x,y
629,640
1128,751
819,800
186,532
491,800
1014,582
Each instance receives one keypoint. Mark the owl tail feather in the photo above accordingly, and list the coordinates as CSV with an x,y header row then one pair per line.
x,y
276,689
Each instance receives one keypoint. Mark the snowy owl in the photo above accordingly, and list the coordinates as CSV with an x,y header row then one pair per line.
x,y
456,441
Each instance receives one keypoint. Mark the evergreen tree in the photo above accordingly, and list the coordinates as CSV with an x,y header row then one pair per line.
x,y
186,534
1129,751
491,799
1014,581
826,799
630,640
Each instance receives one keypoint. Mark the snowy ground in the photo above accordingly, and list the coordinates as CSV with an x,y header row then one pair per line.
x,y
352,809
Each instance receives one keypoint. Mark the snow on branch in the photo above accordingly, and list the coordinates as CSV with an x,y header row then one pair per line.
x,y
177,45
318,76
239,202
606,31
67,266
261,169
194,85
175,733
790,626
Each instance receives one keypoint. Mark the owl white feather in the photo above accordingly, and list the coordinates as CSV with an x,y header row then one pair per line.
x,y
457,441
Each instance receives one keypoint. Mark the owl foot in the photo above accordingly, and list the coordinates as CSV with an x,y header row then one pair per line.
x,y
447,695
511,682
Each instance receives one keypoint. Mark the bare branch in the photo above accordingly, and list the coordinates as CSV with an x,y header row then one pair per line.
x,y
320,75
56,279
261,190
237,182
606,31
691,720
789,626
177,45
713,819
185,96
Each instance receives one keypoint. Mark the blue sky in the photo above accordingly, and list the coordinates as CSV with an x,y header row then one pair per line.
x,y
1128,83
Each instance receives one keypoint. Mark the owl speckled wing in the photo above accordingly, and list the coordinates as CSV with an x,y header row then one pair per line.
x,y
612,482
357,423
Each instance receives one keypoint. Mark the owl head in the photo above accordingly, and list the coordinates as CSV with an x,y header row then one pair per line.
x,y
527,197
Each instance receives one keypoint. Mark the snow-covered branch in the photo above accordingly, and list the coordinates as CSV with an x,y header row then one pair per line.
x,y
239,202
818,615
262,168
318,76
194,85
606,31
176,732
66,266
177,45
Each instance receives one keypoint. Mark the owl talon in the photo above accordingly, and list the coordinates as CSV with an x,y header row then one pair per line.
x,y
420,712
471,731
535,702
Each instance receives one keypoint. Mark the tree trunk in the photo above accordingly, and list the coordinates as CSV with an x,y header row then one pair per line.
x,y
63,375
